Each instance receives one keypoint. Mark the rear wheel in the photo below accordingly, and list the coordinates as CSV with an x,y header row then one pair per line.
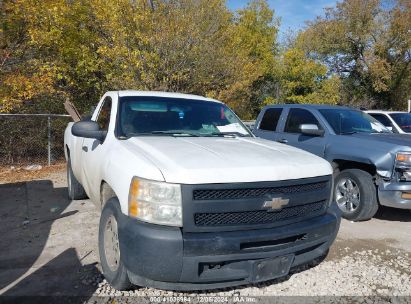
x,y
113,268
355,194
75,189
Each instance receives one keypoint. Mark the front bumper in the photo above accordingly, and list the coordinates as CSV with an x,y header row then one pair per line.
x,y
169,258
390,194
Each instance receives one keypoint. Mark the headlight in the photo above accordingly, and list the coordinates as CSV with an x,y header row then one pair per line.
x,y
403,158
155,202
403,165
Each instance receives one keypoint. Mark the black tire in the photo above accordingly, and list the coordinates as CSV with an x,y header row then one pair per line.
x,y
75,189
118,278
368,204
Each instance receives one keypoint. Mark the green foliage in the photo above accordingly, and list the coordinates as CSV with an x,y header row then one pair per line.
x,y
252,47
304,80
369,46
57,49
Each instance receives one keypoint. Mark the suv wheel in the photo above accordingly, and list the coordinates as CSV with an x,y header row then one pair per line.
x,y
355,194
75,189
113,268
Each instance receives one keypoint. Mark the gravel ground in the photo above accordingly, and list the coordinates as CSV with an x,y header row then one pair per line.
x,y
56,254
375,272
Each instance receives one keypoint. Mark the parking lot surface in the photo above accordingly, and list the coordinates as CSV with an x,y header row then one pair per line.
x,y
49,247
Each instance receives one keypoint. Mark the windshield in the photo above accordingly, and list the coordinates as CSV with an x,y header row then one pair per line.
x,y
403,120
346,121
158,116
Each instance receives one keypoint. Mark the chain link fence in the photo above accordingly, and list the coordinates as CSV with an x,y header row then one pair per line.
x,y
27,139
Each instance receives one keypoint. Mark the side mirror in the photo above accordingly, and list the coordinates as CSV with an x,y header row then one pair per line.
x,y
311,129
88,129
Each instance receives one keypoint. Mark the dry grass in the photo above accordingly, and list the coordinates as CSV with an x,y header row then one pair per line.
x,y
19,174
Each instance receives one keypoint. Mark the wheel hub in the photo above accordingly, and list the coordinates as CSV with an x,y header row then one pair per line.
x,y
347,194
111,243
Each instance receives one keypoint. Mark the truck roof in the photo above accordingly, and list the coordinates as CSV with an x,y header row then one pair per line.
x,y
164,94
310,106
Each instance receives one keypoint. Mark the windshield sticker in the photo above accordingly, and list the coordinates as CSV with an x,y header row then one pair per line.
x,y
234,127
377,127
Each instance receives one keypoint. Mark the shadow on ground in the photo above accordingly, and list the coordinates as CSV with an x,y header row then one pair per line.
x,y
62,276
393,214
30,260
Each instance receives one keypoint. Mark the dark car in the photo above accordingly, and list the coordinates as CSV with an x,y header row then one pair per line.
x,y
371,164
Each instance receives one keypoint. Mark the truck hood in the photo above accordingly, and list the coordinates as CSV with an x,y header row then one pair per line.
x,y
377,149
198,160
392,138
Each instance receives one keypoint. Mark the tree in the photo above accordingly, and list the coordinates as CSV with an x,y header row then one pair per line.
x,y
368,44
252,50
79,49
57,49
304,80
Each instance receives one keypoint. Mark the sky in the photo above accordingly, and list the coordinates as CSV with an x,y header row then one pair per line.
x,y
293,13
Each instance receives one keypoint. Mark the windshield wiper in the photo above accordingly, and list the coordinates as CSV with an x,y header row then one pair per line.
x,y
184,134
160,133
178,133
225,134
381,132
348,133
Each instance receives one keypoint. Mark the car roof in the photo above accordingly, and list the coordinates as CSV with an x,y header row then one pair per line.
x,y
385,112
310,106
164,94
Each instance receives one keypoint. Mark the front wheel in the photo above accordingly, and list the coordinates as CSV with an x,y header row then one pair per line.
x,y
113,268
355,194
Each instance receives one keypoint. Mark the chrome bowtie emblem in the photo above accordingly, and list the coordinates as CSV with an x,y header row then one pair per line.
x,y
276,203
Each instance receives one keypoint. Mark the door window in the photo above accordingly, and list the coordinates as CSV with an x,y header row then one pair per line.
x,y
270,119
103,118
297,117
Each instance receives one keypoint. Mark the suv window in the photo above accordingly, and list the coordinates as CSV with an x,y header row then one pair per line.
x,y
103,118
297,117
382,119
403,120
270,119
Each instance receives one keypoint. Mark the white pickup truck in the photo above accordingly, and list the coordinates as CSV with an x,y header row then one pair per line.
x,y
190,199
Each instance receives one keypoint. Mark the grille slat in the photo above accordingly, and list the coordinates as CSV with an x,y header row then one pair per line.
x,y
225,194
256,217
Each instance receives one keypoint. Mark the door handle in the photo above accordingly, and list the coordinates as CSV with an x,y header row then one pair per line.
x,y
84,148
283,141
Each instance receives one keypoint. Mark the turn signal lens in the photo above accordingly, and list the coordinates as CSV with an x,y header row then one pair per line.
x,y
403,157
132,200
406,195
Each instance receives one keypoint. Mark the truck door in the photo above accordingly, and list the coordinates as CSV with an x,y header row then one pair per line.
x,y
93,152
291,134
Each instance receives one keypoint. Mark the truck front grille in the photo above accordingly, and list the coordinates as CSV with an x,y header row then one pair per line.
x,y
258,216
226,194
243,206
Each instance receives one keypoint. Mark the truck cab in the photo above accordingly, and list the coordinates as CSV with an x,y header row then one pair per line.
x,y
371,164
